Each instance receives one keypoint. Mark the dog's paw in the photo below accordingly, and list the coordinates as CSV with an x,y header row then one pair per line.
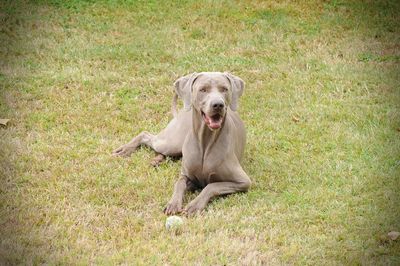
x,y
123,151
193,208
173,208
157,160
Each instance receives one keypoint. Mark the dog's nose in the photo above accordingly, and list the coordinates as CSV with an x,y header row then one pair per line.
x,y
217,105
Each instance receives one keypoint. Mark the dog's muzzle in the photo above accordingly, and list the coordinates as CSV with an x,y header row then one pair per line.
x,y
215,117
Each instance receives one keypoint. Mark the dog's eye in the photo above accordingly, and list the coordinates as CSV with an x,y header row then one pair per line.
x,y
224,89
203,90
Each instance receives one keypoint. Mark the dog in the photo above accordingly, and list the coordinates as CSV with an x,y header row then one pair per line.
x,y
209,135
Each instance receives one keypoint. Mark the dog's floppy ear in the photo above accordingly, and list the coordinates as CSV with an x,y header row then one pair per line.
x,y
237,85
183,87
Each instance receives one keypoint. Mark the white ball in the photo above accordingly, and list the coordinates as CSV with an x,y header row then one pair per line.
x,y
173,222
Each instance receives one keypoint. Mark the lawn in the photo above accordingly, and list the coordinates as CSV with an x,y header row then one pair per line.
x,y
321,108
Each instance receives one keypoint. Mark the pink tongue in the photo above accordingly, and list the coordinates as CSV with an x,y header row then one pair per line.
x,y
214,124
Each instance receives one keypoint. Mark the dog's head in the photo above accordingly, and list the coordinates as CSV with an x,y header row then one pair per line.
x,y
210,94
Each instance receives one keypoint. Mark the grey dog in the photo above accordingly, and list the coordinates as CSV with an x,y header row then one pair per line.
x,y
208,134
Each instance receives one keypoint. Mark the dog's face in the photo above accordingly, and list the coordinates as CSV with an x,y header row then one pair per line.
x,y
210,94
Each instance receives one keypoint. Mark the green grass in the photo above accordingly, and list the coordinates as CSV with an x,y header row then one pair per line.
x,y
321,107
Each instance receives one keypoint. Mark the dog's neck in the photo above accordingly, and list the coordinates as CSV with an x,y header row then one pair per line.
x,y
204,135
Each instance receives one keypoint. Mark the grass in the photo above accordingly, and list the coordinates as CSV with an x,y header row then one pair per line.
x,y
321,107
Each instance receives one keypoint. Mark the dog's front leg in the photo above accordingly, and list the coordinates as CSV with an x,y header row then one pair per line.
x,y
213,190
175,204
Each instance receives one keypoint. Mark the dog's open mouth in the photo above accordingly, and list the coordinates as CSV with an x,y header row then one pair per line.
x,y
214,121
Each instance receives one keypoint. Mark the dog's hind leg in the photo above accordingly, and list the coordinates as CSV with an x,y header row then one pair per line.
x,y
168,142
144,138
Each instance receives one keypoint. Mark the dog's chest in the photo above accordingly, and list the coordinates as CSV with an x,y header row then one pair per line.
x,y
203,167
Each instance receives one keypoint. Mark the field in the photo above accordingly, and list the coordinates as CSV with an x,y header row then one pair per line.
x,y
321,107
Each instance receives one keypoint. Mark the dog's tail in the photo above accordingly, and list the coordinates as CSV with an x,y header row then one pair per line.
x,y
173,105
